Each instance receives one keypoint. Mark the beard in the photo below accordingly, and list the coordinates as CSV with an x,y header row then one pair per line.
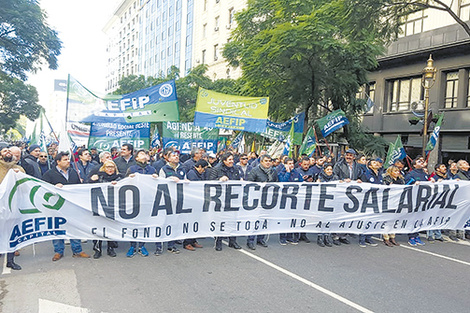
x,y
7,159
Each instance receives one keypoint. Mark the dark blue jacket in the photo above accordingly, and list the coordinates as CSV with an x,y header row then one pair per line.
x,y
168,171
141,169
416,175
369,176
194,175
292,176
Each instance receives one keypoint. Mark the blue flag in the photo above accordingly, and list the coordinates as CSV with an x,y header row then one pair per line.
x,y
236,142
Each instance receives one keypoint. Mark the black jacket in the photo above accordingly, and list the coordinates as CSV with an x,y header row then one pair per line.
x,y
233,173
54,177
261,176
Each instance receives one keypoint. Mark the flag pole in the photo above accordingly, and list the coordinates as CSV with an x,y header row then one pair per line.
x,y
316,139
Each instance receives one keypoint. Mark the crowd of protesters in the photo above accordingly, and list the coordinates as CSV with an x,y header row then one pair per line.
x,y
89,166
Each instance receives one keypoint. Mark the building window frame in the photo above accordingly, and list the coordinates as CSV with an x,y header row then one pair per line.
x,y
403,92
451,89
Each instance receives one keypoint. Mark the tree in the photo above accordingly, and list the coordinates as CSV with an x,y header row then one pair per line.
x,y
308,55
26,44
16,98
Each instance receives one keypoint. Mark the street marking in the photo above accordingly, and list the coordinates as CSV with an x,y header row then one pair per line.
x,y
47,306
307,282
404,245
436,255
6,270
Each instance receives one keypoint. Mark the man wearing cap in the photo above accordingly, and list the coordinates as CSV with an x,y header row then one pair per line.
x,y
30,162
347,168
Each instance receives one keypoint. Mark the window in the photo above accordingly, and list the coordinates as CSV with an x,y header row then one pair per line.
x,y
464,10
169,51
231,13
216,48
204,56
216,28
204,27
452,88
468,91
205,5
403,92
413,23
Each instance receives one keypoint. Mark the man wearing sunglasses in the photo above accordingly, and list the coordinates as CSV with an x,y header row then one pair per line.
x,y
243,166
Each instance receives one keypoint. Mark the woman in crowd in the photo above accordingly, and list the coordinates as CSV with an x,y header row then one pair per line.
x,y
108,173
326,175
392,176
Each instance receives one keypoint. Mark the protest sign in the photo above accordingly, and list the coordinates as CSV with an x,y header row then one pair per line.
x,y
104,136
148,209
185,136
214,109
280,131
156,103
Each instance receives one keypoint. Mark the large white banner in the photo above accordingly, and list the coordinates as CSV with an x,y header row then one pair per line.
x,y
150,209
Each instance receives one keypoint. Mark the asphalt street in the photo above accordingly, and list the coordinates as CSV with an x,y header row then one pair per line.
x,y
292,278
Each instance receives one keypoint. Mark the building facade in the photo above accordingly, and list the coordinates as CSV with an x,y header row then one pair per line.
x,y
397,91
214,22
148,37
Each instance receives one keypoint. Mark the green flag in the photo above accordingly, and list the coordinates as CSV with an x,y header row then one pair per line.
x,y
435,135
289,147
309,144
395,152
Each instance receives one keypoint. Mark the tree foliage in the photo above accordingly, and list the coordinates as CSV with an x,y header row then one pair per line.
x,y
186,87
27,43
16,98
309,55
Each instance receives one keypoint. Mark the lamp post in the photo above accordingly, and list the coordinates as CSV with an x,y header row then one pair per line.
x,y
427,81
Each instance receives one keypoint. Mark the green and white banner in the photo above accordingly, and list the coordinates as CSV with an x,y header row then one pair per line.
x,y
104,136
185,136
143,208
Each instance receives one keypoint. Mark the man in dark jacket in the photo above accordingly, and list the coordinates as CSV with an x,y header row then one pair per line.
x,y
126,159
263,173
84,164
59,175
417,174
224,171
347,170
196,155
195,174
141,166
30,162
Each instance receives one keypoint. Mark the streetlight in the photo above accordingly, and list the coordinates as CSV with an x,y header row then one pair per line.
x,y
427,81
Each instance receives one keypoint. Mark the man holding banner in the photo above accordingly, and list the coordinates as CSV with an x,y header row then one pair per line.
x,y
263,173
59,175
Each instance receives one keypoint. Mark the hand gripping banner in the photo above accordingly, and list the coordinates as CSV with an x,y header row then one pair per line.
x,y
150,209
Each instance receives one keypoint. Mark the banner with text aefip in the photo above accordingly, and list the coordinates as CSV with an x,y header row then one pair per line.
x,y
144,208
152,104
185,136
104,136
280,131
214,109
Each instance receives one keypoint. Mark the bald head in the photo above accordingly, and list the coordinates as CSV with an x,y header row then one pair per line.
x,y
16,152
